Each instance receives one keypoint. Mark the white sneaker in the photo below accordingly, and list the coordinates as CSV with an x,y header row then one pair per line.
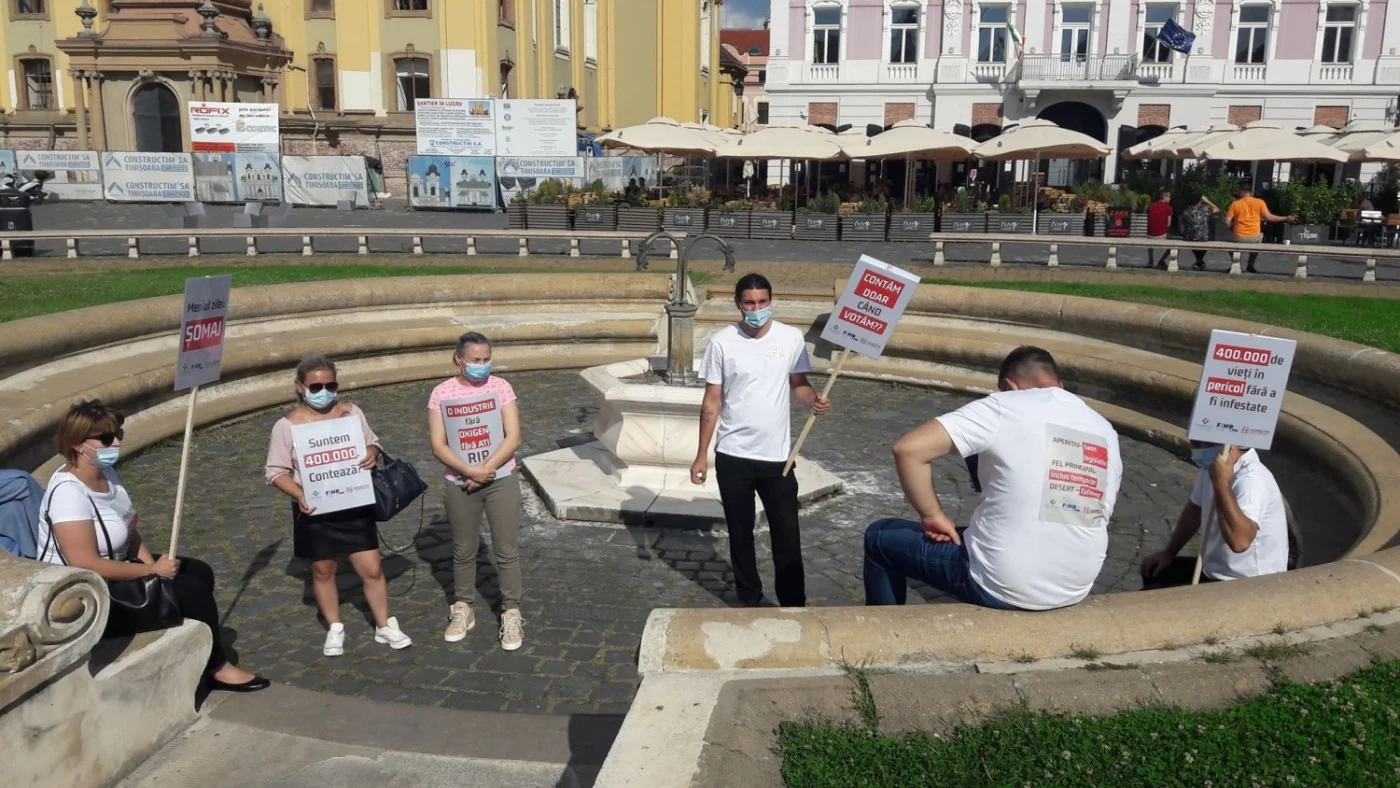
x,y
512,630
391,635
461,620
335,640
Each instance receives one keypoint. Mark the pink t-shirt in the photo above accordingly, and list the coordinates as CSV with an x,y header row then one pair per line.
x,y
454,388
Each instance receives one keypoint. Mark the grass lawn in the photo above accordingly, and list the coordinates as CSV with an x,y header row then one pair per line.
x,y
1345,733
1366,321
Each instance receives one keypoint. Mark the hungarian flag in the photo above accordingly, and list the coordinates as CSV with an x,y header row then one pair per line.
x,y
1175,37
1015,36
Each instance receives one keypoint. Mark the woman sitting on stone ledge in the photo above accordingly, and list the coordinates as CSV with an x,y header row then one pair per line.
x,y
87,521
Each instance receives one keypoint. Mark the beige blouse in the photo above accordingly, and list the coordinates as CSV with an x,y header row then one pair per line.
x,y
282,460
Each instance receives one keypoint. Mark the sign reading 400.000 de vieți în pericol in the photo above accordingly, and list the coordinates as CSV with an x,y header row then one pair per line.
x,y
1241,391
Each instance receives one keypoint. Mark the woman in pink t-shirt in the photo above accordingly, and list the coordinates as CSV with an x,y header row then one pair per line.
x,y
322,537
481,414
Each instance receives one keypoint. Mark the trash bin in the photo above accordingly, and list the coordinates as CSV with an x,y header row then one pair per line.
x,y
16,216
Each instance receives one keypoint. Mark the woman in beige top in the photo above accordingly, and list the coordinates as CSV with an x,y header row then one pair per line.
x,y
322,538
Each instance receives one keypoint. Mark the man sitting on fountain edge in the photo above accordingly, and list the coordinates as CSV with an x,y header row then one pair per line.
x,y
1050,470
750,370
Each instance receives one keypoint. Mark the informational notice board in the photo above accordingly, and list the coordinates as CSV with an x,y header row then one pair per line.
x,y
537,127
455,127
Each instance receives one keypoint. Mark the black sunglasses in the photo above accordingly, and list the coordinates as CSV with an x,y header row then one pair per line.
x,y
315,388
108,438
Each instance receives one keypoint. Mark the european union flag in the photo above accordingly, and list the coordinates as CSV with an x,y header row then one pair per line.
x,y
1176,38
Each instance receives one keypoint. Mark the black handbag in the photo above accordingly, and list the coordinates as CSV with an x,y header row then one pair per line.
x,y
142,605
396,485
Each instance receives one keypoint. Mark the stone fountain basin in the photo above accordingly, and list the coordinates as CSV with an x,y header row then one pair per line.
x,y
636,470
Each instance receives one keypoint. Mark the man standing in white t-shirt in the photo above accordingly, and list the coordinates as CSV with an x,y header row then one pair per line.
x,y
1050,471
749,369
1249,534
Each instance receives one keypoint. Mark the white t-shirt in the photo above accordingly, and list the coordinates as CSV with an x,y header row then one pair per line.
x,y
754,413
1050,471
68,500
1261,501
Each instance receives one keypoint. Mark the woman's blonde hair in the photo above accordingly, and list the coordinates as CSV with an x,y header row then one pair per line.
x,y
82,421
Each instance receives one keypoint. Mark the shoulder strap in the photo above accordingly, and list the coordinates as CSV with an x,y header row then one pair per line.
x,y
97,517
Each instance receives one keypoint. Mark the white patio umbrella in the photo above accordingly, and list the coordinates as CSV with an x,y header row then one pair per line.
x,y
1261,141
911,141
660,135
787,142
1386,149
1162,145
1035,140
1358,136
1180,147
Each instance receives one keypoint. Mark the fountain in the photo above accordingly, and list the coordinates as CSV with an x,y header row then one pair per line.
x,y
636,468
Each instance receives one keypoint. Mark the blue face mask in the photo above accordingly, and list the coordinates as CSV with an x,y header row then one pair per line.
x,y
320,400
758,319
476,373
1203,457
107,455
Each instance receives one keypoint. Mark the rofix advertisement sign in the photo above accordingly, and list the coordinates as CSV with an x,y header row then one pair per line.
x,y
865,315
77,174
147,177
328,454
201,356
474,428
1241,391
324,180
220,127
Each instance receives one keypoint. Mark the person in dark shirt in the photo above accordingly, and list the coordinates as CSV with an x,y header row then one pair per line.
x,y
1195,226
1159,220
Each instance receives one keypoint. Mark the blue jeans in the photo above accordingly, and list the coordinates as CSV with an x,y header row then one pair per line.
x,y
897,549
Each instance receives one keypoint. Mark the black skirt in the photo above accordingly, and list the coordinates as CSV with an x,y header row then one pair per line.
x,y
317,537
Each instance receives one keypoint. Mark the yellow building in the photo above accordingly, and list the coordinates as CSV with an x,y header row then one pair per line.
x,y
115,74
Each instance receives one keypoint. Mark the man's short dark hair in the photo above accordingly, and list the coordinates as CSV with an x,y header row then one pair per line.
x,y
1027,363
751,282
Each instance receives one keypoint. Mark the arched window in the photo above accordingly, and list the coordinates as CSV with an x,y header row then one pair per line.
x,y
155,112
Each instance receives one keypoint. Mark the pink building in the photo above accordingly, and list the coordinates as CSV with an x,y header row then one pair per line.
x,y
750,47
1093,66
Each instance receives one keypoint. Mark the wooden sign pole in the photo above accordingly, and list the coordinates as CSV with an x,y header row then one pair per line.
x,y
812,419
184,470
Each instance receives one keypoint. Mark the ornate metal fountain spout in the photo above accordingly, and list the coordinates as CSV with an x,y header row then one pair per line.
x,y
680,313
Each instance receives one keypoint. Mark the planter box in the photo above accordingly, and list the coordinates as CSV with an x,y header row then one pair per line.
x,y
638,220
1138,226
595,217
963,223
1310,234
1061,224
688,220
771,225
1015,223
731,224
817,227
515,216
547,217
864,226
913,227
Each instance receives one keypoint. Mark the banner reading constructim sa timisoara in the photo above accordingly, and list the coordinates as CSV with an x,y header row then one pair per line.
x,y
220,127
147,177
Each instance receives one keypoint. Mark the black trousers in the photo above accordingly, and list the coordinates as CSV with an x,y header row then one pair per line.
x,y
1200,257
194,593
739,480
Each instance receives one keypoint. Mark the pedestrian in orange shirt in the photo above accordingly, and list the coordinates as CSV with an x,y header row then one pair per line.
x,y
1245,218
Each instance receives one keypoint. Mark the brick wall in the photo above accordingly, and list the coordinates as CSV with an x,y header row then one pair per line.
x,y
1333,116
1241,114
894,113
983,114
1155,115
822,112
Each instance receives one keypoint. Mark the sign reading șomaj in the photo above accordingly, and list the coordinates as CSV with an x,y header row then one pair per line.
x,y
201,357
865,315
1241,391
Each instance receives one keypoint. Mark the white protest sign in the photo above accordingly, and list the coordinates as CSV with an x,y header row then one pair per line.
x,y
329,454
202,331
875,297
1241,392
455,127
227,127
474,428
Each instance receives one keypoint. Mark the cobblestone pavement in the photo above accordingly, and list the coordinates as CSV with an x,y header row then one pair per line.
x,y
98,216
588,588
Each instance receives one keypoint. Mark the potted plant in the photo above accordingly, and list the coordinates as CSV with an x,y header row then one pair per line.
x,y
1006,219
964,214
1061,213
866,220
916,222
817,220
1316,207
515,211
685,209
731,220
593,211
771,221
548,208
